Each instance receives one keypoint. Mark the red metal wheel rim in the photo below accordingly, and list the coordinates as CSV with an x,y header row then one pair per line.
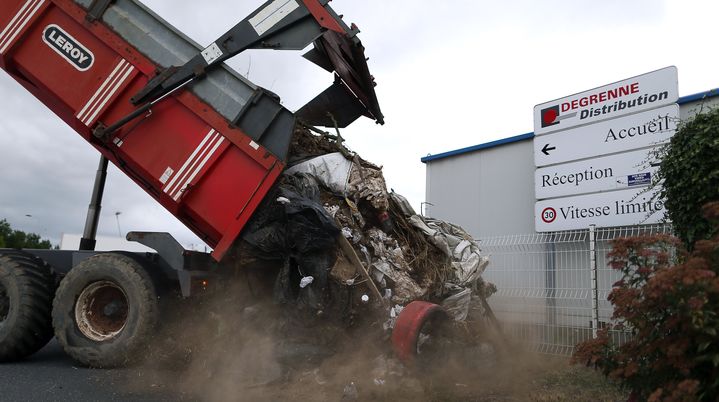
x,y
408,327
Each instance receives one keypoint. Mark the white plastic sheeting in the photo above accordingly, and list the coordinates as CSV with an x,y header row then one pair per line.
x,y
331,170
347,178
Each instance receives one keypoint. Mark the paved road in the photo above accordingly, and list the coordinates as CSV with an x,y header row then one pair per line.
x,y
50,375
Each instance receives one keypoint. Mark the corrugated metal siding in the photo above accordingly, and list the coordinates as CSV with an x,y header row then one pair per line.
x,y
488,193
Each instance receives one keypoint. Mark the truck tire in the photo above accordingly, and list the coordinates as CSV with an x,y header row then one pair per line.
x,y
26,289
105,311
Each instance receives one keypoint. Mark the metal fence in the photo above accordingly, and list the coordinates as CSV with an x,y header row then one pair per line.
x,y
553,287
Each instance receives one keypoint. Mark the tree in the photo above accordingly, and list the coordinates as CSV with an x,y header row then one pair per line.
x,y
11,238
689,174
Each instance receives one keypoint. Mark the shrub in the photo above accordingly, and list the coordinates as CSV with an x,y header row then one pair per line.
x,y
669,300
690,174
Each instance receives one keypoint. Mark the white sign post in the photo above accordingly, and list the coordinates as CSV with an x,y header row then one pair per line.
x,y
646,129
613,208
596,153
607,173
643,92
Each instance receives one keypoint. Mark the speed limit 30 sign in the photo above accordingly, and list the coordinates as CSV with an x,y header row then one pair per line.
x,y
549,215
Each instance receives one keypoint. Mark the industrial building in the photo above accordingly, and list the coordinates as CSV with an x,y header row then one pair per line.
x,y
552,286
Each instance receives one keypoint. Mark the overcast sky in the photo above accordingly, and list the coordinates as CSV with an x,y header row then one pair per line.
x,y
450,74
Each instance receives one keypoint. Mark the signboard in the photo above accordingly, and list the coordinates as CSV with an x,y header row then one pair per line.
x,y
614,208
619,171
636,94
635,131
639,179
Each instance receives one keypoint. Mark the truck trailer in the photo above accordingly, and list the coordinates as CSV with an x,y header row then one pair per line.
x,y
203,141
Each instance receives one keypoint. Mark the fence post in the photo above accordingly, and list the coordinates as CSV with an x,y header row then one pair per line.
x,y
550,281
595,284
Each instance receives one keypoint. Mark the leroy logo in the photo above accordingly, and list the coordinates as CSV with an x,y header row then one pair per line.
x,y
68,47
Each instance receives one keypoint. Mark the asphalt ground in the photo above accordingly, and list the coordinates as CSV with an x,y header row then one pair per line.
x,y
50,375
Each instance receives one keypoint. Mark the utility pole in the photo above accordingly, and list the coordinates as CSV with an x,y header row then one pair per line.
x,y
117,218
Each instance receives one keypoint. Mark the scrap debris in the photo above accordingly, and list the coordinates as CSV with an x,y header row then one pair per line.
x,y
331,267
386,255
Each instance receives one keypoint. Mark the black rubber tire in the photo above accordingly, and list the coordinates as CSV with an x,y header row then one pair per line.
x,y
129,345
28,286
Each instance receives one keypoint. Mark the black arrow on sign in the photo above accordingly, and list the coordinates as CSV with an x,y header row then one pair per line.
x,y
547,148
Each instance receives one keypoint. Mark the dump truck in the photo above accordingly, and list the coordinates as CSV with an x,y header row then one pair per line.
x,y
202,140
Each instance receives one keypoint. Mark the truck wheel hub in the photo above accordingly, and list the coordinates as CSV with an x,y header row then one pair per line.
x,y
101,311
4,304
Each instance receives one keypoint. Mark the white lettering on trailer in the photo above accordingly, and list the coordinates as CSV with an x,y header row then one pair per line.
x,y
68,47
17,24
166,176
194,164
254,145
272,15
105,92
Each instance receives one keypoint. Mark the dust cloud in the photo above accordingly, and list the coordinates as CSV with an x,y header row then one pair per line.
x,y
240,346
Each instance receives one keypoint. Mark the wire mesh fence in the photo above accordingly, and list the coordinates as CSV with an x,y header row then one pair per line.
x,y
553,287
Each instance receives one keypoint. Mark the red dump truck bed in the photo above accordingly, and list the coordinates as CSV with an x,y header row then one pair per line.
x,y
86,74
184,152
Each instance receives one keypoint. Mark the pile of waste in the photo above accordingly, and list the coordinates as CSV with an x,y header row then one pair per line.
x,y
325,268
344,244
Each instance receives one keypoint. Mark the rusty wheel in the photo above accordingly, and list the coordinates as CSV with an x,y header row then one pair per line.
x,y
105,311
101,311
